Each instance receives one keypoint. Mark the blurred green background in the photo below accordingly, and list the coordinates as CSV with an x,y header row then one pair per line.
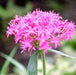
x,y
56,65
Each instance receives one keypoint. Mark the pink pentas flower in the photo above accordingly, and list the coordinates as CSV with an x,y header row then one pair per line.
x,y
40,29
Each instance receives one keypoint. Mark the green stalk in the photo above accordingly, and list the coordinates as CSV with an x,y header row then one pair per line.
x,y
43,61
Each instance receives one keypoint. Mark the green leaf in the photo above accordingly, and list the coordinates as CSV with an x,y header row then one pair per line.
x,y
6,64
15,63
32,66
61,53
17,71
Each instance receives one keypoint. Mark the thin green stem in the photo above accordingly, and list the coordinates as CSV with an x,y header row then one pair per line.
x,y
43,61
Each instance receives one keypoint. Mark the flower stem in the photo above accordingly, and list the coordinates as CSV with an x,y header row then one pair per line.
x,y
43,61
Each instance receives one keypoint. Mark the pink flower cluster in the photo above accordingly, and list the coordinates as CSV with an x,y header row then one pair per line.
x,y
40,29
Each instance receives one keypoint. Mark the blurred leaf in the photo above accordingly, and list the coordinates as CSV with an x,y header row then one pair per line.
x,y
6,64
61,53
17,71
15,63
71,44
32,66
